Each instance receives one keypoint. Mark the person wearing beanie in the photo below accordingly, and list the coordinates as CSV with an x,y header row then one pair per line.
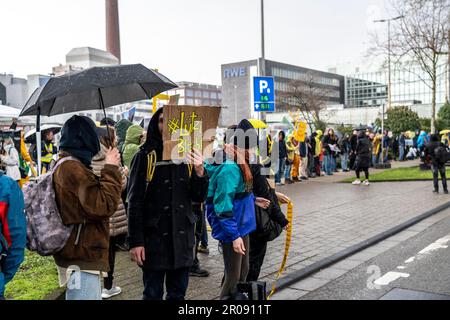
x,y
86,202
230,207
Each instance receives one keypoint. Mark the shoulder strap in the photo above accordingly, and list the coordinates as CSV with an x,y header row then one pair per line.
x,y
61,161
151,164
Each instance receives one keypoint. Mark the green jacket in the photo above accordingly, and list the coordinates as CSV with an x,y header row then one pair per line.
x,y
132,144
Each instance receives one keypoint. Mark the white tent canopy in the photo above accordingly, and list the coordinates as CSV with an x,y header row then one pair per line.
x,y
8,112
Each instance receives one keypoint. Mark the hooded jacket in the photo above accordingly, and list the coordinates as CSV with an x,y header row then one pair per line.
x,y
132,144
121,131
290,148
11,160
160,210
84,199
13,227
422,140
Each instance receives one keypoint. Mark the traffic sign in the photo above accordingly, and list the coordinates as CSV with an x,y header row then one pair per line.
x,y
263,94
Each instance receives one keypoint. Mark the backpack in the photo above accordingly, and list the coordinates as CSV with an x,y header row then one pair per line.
x,y
254,290
46,233
4,245
441,154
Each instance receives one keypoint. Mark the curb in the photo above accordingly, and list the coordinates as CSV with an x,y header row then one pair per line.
x,y
298,275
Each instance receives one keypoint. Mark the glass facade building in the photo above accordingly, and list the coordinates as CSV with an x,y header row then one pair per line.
x,y
197,94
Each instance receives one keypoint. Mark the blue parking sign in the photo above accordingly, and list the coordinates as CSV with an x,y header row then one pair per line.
x,y
263,94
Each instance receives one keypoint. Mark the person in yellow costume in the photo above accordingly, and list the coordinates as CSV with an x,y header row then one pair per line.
x,y
296,162
290,148
26,158
376,147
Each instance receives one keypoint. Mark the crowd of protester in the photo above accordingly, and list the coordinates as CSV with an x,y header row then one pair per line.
x,y
112,186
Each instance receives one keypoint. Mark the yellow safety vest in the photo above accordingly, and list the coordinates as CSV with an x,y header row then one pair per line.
x,y
49,155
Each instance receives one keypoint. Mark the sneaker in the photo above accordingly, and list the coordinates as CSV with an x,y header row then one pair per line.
x,y
279,184
114,291
289,181
445,191
366,183
435,191
304,178
202,249
196,271
357,182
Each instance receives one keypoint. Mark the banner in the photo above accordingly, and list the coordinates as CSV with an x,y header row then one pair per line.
x,y
188,127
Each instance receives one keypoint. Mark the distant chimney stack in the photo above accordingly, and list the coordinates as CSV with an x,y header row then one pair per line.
x,y
112,28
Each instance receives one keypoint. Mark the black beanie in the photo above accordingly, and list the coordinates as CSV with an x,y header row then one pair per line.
x,y
245,136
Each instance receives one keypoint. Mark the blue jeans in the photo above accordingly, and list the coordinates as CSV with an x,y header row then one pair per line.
x,y
84,286
374,159
287,172
333,164
328,164
280,172
344,161
176,284
401,151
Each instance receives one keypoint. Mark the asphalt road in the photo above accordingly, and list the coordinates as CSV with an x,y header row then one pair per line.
x,y
418,268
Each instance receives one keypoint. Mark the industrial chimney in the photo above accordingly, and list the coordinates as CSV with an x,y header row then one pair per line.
x,y
112,28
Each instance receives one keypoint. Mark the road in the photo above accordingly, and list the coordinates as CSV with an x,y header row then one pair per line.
x,y
417,268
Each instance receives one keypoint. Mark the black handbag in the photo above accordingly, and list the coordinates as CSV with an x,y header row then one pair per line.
x,y
265,226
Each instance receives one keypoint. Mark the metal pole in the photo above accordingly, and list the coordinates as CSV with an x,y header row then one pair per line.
x,y
263,51
38,141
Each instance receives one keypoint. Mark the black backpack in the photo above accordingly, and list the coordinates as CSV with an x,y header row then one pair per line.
x,y
441,154
254,290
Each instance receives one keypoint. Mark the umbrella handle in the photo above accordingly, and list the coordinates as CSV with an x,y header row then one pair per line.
x,y
104,113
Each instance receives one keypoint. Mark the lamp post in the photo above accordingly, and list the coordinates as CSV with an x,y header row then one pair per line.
x,y
389,79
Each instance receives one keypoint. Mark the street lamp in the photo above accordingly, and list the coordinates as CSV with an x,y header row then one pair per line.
x,y
389,78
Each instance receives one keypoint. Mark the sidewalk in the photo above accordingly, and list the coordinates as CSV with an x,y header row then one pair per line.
x,y
328,217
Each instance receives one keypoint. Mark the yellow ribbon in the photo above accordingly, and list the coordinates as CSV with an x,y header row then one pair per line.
x,y
287,245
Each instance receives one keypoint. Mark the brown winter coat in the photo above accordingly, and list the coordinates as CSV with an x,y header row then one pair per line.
x,y
86,201
118,223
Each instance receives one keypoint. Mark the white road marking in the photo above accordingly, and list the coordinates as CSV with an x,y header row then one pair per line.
x,y
438,244
389,277
410,260
401,267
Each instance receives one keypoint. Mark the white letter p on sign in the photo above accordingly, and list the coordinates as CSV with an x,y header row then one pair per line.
x,y
263,85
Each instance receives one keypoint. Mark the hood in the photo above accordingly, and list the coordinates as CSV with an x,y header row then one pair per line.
x,y
319,133
79,138
154,140
134,133
121,129
423,134
101,155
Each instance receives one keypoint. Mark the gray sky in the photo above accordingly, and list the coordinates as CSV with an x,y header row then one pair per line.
x,y
187,39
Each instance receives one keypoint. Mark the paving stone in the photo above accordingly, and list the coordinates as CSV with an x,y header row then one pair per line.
x,y
288,294
309,284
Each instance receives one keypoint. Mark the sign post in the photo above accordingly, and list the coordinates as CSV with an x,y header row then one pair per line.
x,y
263,94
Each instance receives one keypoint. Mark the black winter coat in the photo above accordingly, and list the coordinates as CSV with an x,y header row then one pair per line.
x,y
160,216
363,153
429,151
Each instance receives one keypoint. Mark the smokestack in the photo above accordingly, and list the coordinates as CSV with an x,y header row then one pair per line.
x,y
112,28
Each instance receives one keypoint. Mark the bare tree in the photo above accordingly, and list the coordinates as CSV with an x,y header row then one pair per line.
x,y
308,97
421,39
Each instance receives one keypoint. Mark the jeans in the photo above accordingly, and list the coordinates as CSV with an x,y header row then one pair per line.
x,y
328,164
258,248
287,171
204,236
333,164
439,169
176,284
280,172
84,286
344,161
401,151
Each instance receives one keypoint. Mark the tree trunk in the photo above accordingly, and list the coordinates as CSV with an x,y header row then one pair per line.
x,y
433,106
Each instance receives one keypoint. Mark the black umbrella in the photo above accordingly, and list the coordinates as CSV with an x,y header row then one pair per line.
x,y
94,88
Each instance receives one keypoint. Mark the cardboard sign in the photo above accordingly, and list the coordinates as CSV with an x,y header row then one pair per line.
x,y
187,127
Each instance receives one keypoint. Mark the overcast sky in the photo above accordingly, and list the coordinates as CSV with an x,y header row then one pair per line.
x,y
187,39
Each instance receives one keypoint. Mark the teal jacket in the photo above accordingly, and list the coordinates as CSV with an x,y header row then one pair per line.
x,y
229,208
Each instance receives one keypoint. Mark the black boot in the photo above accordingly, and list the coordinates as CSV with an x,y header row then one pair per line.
x,y
196,271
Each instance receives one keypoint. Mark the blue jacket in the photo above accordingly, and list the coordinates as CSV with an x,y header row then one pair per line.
x,y
14,228
422,140
230,210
